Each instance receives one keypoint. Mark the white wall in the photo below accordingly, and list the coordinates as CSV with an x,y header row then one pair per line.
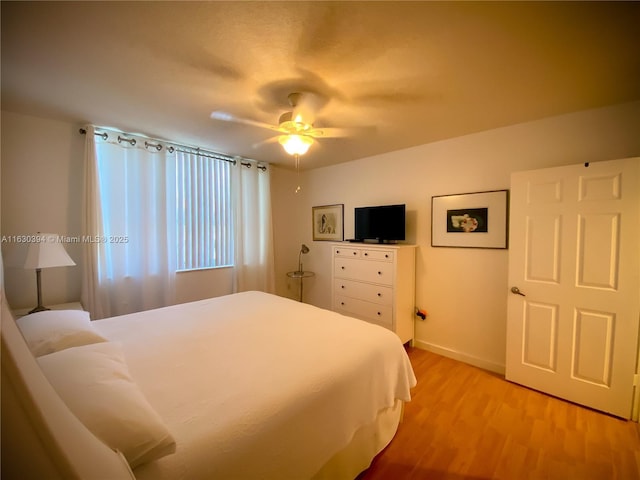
x,y
464,290
289,216
41,192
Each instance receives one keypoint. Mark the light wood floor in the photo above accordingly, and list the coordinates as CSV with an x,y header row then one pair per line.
x,y
464,423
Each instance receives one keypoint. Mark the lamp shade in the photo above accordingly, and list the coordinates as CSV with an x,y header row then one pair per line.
x,y
295,144
47,253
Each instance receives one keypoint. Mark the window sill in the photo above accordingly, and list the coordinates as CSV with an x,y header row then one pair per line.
x,y
202,269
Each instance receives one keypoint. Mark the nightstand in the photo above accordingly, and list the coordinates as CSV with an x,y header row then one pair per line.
x,y
301,275
21,312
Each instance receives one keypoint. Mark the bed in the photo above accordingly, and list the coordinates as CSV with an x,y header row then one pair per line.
x,y
252,385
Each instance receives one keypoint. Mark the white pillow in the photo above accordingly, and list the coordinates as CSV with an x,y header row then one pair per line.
x,y
94,382
54,330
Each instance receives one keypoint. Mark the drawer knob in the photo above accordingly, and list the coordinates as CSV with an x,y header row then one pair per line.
x,y
366,254
341,286
379,314
355,253
341,303
337,251
386,255
379,273
379,294
342,268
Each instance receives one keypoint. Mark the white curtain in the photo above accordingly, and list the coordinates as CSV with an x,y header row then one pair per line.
x,y
253,242
93,299
129,227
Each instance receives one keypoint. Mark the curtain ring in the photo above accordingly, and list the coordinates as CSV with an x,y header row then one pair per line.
x,y
157,146
131,141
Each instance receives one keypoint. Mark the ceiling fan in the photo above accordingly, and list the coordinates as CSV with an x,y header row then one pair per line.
x,y
296,132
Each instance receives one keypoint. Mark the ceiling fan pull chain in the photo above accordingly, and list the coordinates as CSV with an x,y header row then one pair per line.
x,y
297,157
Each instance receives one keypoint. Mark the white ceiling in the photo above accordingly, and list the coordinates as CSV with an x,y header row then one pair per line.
x,y
413,72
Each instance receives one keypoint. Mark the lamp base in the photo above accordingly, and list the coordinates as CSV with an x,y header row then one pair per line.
x,y
39,308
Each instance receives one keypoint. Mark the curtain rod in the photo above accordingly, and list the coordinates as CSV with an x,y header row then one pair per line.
x,y
175,147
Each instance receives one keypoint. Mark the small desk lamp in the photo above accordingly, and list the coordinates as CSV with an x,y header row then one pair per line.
x,y
304,249
46,253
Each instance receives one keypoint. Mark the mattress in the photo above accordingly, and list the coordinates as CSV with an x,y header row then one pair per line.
x,y
253,385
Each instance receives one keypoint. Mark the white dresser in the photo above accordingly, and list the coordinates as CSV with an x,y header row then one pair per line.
x,y
376,283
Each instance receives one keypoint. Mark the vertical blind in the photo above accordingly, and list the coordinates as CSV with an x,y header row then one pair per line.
x,y
203,217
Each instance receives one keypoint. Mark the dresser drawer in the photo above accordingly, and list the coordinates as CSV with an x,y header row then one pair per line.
x,y
379,294
379,314
373,272
346,252
383,255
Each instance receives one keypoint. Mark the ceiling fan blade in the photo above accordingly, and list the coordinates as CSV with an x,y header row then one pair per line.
x,y
227,117
266,142
339,132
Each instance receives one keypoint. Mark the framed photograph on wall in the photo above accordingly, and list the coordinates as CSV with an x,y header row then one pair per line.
x,y
328,222
470,220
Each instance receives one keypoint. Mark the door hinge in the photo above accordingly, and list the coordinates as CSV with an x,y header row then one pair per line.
x,y
636,380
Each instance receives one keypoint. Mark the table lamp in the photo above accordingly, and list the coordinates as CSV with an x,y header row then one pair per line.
x,y
47,252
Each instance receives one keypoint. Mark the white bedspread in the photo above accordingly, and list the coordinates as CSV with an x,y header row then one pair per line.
x,y
253,385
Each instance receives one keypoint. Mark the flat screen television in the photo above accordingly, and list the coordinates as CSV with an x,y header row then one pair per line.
x,y
384,223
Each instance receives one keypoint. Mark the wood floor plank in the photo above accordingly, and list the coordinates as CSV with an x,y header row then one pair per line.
x,y
464,423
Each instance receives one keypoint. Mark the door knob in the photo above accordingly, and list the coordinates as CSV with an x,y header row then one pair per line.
x,y
517,291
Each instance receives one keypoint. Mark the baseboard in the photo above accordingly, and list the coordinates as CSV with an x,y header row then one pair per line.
x,y
461,356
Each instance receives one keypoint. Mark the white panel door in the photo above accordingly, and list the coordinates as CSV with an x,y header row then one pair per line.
x,y
574,274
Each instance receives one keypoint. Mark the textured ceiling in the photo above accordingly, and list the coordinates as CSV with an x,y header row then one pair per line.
x,y
411,72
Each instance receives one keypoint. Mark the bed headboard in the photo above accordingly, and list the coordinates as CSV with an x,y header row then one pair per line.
x,y
41,438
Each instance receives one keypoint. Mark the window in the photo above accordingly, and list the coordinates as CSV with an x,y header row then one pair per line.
x,y
153,209
203,211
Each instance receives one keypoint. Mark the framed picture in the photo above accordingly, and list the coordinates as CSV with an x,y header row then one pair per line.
x,y
328,222
470,220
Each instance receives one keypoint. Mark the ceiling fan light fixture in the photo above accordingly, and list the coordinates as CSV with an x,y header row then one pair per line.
x,y
295,144
287,123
